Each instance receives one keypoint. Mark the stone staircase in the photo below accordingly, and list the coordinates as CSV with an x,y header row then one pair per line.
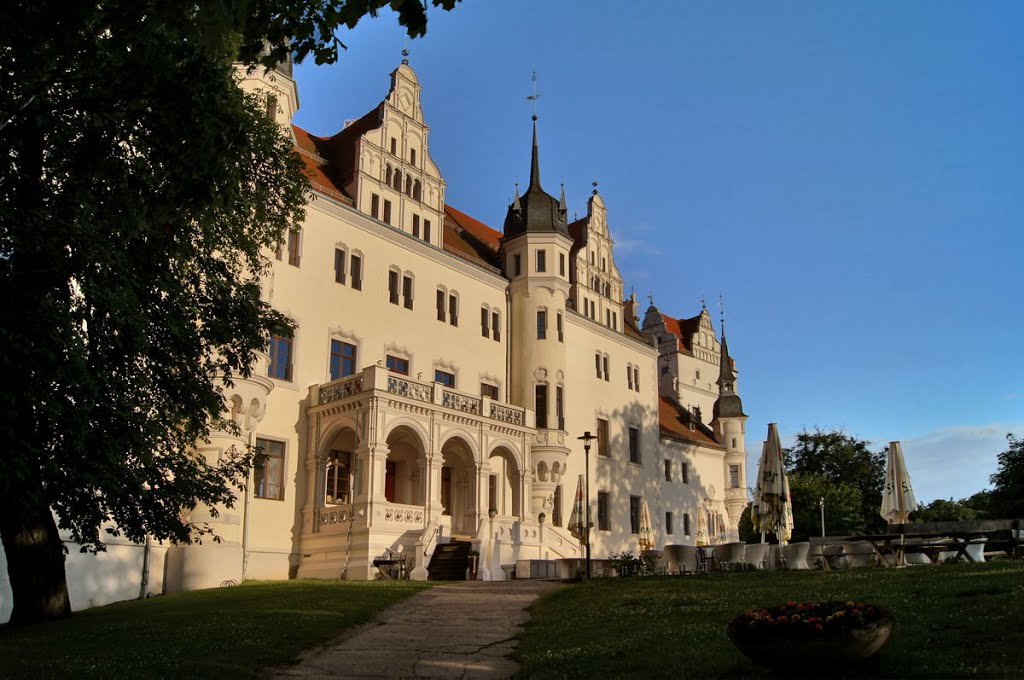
x,y
449,561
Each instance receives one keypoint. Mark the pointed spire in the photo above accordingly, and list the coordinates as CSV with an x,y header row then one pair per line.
x,y
726,374
535,160
516,206
561,203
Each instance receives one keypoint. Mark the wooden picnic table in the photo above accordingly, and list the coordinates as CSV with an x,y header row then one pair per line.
x,y
935,538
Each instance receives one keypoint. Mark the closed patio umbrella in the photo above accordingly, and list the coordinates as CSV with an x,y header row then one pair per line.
x,y
646,530
769,512
702,527
578,518
898,496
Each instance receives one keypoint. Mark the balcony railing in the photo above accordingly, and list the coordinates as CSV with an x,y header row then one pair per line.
x,y
375,377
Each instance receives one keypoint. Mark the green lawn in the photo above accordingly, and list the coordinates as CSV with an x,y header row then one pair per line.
x,y
951,621
226,632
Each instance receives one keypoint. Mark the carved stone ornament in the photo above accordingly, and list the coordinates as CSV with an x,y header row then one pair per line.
x,y
541,373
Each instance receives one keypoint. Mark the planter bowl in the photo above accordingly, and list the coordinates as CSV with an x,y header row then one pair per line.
x,y
782,649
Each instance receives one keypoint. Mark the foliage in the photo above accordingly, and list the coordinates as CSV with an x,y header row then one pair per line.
x,y
941,510
980,503
746,527
1007,497
141,191
666,626
843,506
628,564
222,632
842,460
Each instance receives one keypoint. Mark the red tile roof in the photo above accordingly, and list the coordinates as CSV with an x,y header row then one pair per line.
x,y
316,165
470,238
675,424
683,329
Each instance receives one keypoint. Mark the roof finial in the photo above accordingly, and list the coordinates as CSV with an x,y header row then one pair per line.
x,y
405,52
721,312
534,97
594,184
650,296
703,302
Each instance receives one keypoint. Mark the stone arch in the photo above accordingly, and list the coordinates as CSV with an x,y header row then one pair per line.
x,y
339,478
403,472
465,437
410,424
459,482
505,482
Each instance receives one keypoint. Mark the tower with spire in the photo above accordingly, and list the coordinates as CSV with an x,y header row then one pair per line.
x,y
728,422
535,249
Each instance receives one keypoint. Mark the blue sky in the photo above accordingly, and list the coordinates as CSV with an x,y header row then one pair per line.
x,y
847,174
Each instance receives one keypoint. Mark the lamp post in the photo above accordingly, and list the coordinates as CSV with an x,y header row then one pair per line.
x,y
821,504
586,439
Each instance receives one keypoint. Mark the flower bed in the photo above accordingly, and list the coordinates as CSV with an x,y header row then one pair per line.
x,y
798,632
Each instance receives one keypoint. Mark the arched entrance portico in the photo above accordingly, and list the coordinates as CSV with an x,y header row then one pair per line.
x,y
504,484
403,473
459,486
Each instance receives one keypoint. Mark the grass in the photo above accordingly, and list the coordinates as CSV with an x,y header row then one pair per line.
x,y
951,621
225,632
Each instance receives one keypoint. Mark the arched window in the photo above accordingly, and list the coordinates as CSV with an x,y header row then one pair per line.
x,y
408,185
387,175
398,180
416,190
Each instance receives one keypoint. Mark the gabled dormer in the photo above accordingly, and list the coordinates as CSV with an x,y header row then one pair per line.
x,y
597,291
394,179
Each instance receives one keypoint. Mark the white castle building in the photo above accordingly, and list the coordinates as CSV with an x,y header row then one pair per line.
x,y
438,380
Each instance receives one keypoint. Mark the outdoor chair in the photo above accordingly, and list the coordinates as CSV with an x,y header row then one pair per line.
x,y
731,553
832,556
689,560
794,555
673,559
859,554
756,554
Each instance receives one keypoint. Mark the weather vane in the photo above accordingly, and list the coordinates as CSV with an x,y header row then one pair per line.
x,y
405,52
650,296
721,307
534,97
703,302
594,184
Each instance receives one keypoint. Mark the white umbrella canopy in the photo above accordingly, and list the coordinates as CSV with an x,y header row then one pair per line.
x,y
898,499
702,527
770,513
578,518
646,528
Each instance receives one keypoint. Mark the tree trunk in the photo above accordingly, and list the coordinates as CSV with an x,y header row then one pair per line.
x,y
35,562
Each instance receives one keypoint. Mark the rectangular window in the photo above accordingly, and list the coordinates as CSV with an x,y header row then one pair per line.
x,y
343,359
407,291
560,406
686,523
668,471
490,391
416,226
542,260
558,324
340,257
540,405
268,473
485,317
684,474
272,107
734,476
629,376
517,265
492,492
375,206
426,230
398,365
636,378
453,310
561,264
634,445
293,247
542,324
604,364
602,511
597,364
445,378
393,287
556,512
496,325
387,211
394,146
440,305
356,271
280,358
615,320
634,514
607,317
412,156
602,437
669,528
